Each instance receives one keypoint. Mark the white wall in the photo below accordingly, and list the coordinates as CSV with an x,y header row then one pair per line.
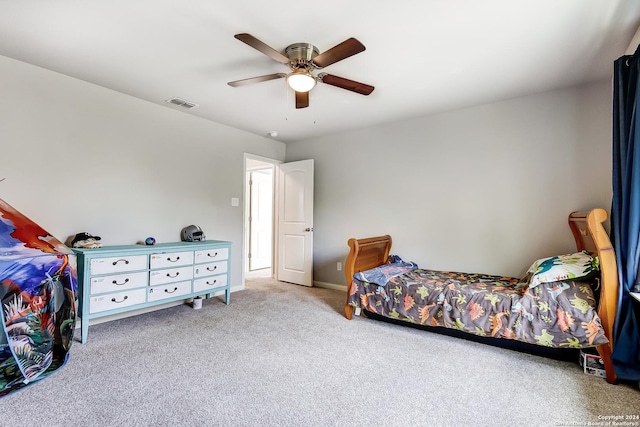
x,y
79,157
484,189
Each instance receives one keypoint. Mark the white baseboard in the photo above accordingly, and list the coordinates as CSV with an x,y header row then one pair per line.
x,y
328,285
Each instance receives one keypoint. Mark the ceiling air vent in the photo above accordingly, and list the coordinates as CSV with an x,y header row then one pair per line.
x,y
182,103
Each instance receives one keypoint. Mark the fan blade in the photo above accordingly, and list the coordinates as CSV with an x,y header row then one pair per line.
x,y
257,44
302,99
347,84
257,79
339,52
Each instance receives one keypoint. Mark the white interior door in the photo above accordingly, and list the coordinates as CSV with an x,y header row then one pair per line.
x,y
260,218
295,222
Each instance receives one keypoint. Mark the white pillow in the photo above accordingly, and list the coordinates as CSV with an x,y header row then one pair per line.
x,y
562,267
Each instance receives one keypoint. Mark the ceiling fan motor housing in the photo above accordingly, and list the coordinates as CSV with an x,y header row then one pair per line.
x,y
301,54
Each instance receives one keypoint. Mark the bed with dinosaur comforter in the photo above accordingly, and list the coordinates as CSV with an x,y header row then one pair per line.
x,y
563,302
553,314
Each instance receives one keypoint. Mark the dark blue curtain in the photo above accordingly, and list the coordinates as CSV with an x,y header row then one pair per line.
x,y
625,213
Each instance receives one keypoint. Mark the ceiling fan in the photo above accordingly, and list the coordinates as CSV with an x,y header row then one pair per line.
x,y
303,58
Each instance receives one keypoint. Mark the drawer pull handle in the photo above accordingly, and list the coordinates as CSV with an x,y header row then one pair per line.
x,y
126,261
212,269
118,302
172,276
115,282
212,256
173,260
170,292
212,283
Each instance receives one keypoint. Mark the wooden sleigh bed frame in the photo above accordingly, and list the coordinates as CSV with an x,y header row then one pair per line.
x,y
589,235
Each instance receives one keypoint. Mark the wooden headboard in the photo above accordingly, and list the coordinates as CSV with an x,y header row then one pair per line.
x,y
589,234
364,254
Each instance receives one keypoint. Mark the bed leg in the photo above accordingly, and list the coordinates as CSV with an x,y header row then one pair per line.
x,y
605,354
348,311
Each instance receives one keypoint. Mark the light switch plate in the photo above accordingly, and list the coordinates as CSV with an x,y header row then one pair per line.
x,y
235,201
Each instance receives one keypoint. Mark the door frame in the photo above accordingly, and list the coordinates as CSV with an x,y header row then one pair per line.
x,y
247,158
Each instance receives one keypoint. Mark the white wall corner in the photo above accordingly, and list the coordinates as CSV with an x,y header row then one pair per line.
x,y
635,41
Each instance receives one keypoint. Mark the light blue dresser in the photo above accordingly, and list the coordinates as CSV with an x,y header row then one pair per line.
x,y
117,279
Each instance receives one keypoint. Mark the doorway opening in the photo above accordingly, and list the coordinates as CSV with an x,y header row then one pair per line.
x,y
278,220
258,257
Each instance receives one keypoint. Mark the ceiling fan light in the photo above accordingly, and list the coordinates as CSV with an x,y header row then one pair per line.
x,y
301,81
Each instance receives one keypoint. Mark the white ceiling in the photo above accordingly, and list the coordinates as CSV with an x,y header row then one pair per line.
x,y
423,56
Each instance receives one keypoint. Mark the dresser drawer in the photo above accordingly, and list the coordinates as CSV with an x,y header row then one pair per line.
x,y
207,283
170,290
118,282
117,300
209,269
208,255
118,264
171,259
168,275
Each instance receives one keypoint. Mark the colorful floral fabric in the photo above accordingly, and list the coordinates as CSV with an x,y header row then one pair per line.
x,y
557,314
38,300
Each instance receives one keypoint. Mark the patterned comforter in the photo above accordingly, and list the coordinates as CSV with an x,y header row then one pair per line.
x,y
38,301
557,314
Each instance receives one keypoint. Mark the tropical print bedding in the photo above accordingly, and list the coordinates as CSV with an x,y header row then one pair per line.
x,y
555,314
